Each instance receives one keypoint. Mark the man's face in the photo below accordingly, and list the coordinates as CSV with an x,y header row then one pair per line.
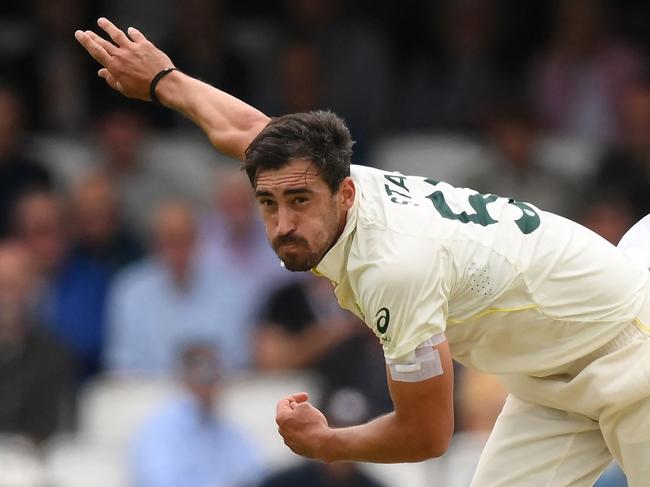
x,y
16,277
43,228
175,238
302,217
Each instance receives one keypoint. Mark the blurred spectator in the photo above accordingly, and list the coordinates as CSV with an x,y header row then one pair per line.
x,y
62,71
449,82
121,133
232,236
302,327
480,400
354,62
18,173
172,298
98,231
513,165
609,215
154,18
35,369
581,72
301,324
73,288
200,46
140,186
625,168
301,83
186,443
16,38
316,474
345,407
612,477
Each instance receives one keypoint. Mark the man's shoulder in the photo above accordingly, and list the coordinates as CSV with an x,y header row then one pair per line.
x,y
136,277
388,261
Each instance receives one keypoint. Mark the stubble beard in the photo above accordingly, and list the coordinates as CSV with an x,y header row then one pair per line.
x,y
299,262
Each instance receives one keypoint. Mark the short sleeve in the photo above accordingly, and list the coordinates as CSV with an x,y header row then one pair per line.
x,y
404,298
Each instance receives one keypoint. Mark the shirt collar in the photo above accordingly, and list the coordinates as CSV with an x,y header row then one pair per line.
x,y
334,263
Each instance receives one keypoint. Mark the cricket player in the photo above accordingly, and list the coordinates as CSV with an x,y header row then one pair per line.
x,y
560,315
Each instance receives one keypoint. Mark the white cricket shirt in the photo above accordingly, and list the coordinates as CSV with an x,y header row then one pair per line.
x,y
636,242
515,289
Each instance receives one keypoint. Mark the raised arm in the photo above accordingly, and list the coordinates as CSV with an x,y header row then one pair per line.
x,y
418,429
130,64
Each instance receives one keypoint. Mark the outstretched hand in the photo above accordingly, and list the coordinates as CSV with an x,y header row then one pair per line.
x,y
303,427
129,62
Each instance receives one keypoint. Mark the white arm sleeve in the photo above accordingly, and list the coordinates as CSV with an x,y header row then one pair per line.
x,y
421,364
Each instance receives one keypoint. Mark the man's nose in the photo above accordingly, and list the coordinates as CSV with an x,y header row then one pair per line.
x,y
286,221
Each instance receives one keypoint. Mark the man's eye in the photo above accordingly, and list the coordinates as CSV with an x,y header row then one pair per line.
x,y
266,202
300,200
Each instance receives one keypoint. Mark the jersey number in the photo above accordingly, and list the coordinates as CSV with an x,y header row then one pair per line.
x,y
527,223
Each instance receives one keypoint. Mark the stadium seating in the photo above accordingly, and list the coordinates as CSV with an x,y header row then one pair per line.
x,y
80,461
20,465
449,158
454,158
112,408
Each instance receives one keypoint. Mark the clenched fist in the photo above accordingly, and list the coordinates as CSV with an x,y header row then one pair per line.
x,y
303,427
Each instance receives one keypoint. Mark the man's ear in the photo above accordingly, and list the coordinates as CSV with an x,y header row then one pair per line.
x,y
347,191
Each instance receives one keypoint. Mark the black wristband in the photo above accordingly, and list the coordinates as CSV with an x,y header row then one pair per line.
x,y
154,82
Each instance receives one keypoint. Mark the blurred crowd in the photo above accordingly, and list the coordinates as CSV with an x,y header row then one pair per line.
x,y
121,254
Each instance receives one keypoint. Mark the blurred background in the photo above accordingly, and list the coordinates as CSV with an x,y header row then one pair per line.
x,y
147,330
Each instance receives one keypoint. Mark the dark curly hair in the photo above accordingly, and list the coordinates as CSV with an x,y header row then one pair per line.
x,y
319,136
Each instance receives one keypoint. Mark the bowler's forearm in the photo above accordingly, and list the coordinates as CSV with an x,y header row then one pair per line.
x,y
229,123
386,439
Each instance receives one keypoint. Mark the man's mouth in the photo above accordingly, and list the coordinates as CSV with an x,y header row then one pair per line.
x,y
290,243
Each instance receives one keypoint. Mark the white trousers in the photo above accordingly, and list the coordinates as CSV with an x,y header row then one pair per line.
x,y
564,430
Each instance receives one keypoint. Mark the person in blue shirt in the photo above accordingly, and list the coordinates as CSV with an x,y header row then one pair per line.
x,y
185,444
174,297
71,299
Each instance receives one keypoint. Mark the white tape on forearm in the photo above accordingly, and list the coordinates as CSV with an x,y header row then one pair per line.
x,y
421,364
